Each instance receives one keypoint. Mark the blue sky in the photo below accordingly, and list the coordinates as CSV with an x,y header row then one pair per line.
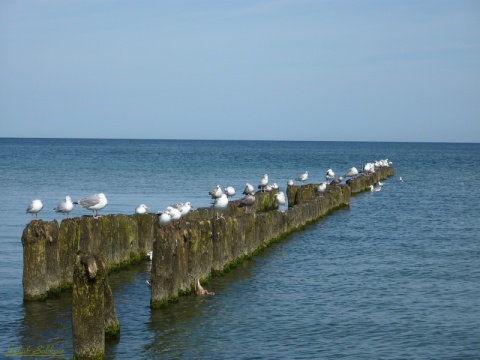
x,y
263,70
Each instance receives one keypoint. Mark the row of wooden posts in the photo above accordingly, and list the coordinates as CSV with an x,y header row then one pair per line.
x,y
79,253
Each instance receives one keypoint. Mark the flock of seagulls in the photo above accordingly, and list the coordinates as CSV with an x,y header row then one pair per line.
x,y
94,203
173,214
221,197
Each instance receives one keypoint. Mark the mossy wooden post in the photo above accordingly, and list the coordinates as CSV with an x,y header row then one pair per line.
x,y
146,225
112,325
91,306
41,274
164,268
68,239
90,235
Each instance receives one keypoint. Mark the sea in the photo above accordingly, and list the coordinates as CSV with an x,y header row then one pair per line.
x,y
396,275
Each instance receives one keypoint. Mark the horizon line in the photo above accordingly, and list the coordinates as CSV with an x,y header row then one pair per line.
x,y
259,140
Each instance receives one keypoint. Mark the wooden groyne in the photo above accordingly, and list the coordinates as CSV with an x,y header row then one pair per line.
x,y
197,248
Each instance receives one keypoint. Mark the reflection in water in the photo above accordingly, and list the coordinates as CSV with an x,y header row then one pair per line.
x,y
48,324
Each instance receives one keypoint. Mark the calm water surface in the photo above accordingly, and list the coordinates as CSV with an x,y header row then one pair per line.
x,y
394,276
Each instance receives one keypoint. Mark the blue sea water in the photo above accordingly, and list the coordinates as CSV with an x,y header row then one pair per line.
x,y
394,276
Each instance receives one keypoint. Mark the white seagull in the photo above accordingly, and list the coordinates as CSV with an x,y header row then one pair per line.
x,y
183,208
330,175
303,177
164,219
34,207
221,204
263,183
280,199
352,172
175,214
290,183
141,209
369,168
216,193
249,189
321,188
230,191
94,203
150,255
376,188
64,207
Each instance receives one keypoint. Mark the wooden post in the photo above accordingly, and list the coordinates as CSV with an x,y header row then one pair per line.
x,y
41,273
92,307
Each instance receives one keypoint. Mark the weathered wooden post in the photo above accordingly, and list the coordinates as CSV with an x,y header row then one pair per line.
x,y
93,311
41,273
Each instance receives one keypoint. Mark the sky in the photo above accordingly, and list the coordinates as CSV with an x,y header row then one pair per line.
x,y
323,70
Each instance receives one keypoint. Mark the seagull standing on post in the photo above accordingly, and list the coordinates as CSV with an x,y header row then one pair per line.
x,y
65,207
221,204
94,203
248,201
303,177
216,193
280,199
249,190
330,175
263,183
230,191
34,207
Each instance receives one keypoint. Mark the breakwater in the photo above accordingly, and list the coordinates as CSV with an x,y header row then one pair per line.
x,y
197,248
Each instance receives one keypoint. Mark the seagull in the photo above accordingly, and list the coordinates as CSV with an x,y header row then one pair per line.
x,y
268,187
263,182
95,202
330,175
164,219
141,209
280,199
221,204
175,214
303,177
248,201
380,183
377,188
150,255
336,181
290,183
401,180
274,186
183,208
216,193
249,190
322,187
64,207
34,207
352,172
199,290
230,191
369,168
